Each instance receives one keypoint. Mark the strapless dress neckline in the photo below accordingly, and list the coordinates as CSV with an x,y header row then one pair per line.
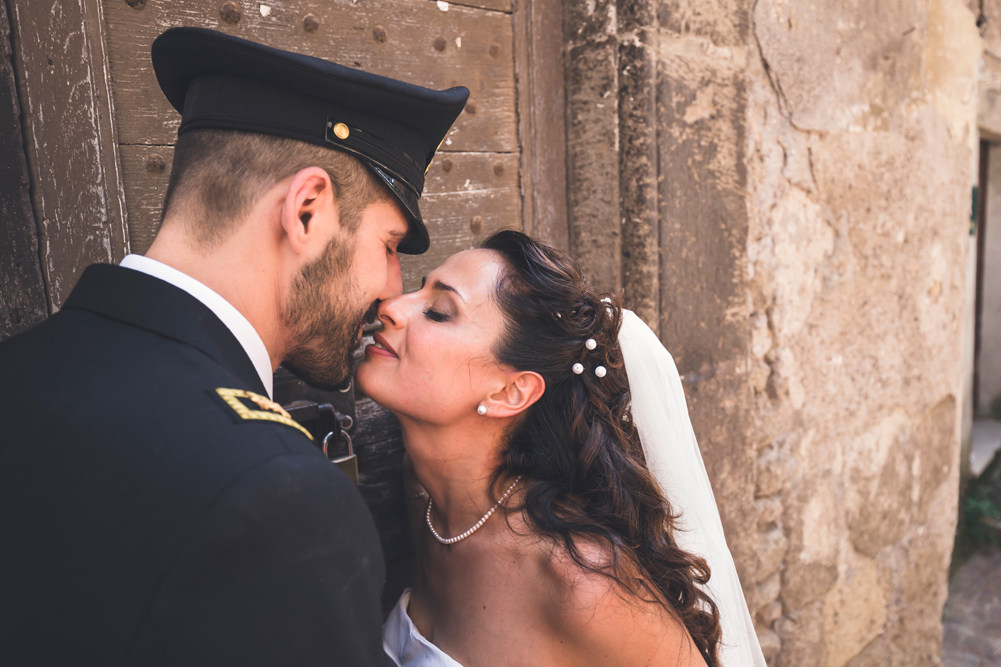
x,y
405,646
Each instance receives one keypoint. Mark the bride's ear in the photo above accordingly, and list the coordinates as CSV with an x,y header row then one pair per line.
x,y
521,391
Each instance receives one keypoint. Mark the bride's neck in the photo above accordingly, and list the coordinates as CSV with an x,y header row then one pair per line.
x,y
456,465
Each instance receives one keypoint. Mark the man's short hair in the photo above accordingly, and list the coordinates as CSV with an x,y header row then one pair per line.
x,y
219,175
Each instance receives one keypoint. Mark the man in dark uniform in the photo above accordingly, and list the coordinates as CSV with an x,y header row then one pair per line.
x,y
156,508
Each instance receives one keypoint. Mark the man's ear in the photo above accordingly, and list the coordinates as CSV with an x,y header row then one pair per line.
x,y
310,205
523,389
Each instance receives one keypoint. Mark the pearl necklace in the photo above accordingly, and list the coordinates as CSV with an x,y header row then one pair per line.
x,y
476,526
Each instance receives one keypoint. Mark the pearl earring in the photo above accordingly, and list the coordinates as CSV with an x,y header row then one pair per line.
x,y
482,410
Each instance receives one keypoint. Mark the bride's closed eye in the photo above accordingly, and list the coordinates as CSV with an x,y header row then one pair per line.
x,y
435,316
430,312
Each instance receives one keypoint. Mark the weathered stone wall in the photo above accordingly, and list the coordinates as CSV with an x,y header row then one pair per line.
x,y
812,162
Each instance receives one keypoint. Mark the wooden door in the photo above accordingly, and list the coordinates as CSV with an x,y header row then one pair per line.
x,y
99,137
472,187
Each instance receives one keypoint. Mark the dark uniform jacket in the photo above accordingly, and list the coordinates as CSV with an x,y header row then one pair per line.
x,y
143,521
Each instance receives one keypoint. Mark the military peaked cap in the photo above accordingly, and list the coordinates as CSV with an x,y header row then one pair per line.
x,y
216,80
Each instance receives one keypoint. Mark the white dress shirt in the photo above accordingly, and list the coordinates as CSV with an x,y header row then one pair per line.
x,y
223,309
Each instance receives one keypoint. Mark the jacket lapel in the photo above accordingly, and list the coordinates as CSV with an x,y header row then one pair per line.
x,y
141,300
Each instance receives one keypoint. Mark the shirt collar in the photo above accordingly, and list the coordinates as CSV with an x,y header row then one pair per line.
x,y
238,325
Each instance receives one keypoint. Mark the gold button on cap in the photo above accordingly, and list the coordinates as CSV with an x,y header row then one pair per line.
x,y
341,131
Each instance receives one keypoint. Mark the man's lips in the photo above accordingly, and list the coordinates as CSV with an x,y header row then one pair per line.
x,y
381,347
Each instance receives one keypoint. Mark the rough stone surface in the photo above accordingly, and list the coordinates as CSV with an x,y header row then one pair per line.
x,y
861,140
813,161
591,80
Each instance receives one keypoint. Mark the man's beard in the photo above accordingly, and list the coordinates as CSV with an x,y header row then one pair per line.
x,y
324,325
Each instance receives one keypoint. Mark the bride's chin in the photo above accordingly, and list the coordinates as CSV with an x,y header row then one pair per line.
x,y
367,382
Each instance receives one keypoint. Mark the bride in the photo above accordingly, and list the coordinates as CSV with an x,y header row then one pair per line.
x,y
560,506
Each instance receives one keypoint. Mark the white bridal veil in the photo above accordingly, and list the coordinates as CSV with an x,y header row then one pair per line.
x,y
672,453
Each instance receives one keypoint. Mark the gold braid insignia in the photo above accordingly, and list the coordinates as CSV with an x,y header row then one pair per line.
x,y
270,411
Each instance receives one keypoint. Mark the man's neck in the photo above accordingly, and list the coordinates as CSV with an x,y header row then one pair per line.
x,y
237,271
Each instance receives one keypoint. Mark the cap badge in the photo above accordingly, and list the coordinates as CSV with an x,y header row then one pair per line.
x,y
341,131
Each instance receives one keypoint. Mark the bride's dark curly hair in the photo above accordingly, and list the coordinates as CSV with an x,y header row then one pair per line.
x,y
586,477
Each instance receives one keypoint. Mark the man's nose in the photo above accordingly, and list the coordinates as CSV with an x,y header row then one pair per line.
x,y
394,279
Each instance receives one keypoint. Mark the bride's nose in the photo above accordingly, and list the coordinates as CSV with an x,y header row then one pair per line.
x,y
392,312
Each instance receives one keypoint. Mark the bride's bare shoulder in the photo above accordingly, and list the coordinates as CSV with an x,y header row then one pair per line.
x,y
605,622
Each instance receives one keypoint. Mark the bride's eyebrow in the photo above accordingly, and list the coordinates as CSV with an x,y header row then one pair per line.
x,y
442,287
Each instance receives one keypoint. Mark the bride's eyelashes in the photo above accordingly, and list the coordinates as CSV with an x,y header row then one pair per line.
x,y
435,316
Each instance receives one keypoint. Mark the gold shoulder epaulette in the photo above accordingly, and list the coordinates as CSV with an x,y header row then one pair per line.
x,y
269,410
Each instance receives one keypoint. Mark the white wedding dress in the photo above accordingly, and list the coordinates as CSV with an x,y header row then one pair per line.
x,y
673,456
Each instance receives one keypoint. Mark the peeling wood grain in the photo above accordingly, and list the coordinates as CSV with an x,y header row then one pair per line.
x,y
22,291
496,5
345,35
144,191
71,147
59,56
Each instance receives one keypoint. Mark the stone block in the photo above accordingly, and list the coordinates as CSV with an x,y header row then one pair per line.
x,y
803,583
772,470
761,336
841,66
879,501
768,614
769,511
766,592
854,613
802,638
592,162
770,645
701,208
724,22
772,548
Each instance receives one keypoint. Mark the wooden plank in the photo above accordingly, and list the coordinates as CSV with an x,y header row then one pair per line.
x,y
475,185
144,191
468,196
538,39
71,147
450,219
22,290
476,53
496,5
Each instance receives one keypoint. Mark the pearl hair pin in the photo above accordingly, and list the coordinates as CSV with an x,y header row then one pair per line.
x,y
482,410
600,371
578,368
590,344
476,526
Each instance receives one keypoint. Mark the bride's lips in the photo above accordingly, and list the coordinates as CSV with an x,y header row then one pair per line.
x,y
379,351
